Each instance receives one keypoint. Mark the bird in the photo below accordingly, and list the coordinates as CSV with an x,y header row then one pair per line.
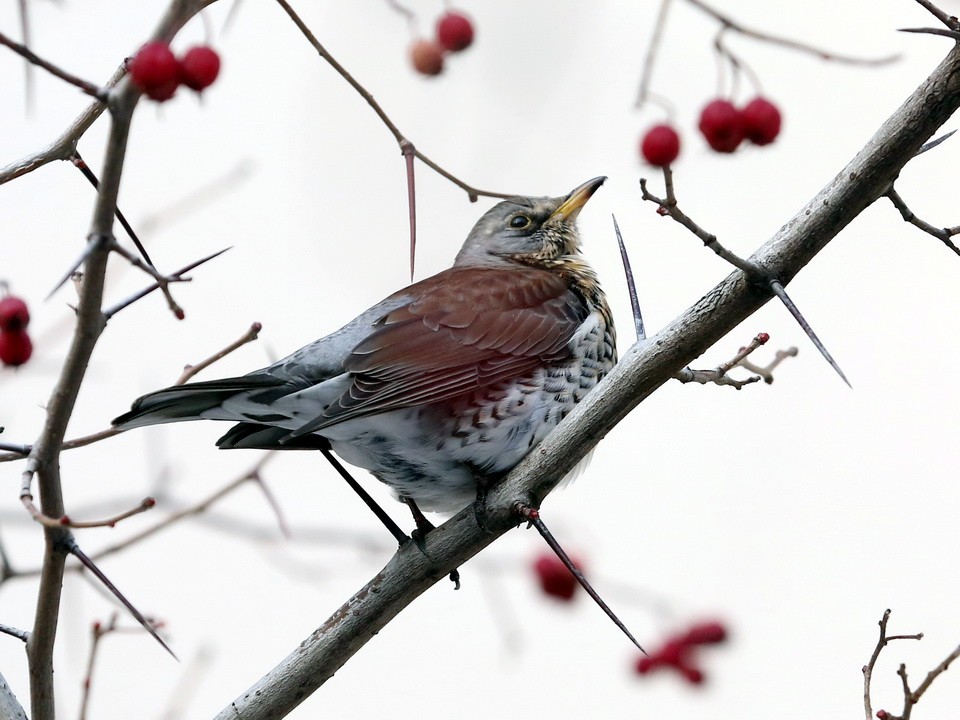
x,y
442,388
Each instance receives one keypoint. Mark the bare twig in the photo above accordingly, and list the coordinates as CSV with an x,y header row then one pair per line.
x,y
163,282
88,87
472,192
718,375
97,631
951,22
653,47
786,42
193,510
871,664
942,234
14,632
766,371
409,152
190,371
669,206
177,276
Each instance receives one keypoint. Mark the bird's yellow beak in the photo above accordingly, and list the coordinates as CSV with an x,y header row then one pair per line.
x,y
570,208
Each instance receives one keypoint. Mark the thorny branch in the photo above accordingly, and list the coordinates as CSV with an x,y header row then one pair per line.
x,y
755,273
27,54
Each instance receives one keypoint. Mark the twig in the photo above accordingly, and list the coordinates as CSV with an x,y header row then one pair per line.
x,y
766,371
66,522
871,664
163,282
97,631
653,46
786,42
14,632
196,509
28,75
669,206
718,375
176,276
472,192
948,20
942,234
190,371
532,516
88,87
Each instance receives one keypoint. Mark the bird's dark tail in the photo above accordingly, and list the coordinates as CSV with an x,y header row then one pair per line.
x,y
188,402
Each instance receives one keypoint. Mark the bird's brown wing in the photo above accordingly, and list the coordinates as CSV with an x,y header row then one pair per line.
x,y
462,329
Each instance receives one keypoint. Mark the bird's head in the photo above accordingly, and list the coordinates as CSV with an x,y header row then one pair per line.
x,y
527,230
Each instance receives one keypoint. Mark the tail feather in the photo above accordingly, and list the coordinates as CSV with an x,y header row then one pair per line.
x,y
187,402
265,437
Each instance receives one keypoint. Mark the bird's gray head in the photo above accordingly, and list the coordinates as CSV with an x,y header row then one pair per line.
x,y
529,230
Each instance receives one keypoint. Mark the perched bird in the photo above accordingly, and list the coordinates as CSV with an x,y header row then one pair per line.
x,y
444,386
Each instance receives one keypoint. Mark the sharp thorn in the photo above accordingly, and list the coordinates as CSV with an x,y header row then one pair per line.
x,y
533,517
72,547
778,290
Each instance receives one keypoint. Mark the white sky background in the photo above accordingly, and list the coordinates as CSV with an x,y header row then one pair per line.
x,y
797,512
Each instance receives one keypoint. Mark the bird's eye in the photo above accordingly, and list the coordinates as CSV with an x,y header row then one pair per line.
x,y
519,221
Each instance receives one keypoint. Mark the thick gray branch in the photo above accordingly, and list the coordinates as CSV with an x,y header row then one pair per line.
x,y
643,369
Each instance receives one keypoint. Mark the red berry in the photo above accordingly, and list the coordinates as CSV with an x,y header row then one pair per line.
x,y
555,579
645,664
199,67
13,313
15,347
660,146
427,57
155,71
706,633
721,125
761,121
454,31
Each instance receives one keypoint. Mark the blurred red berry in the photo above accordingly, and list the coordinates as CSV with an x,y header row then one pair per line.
x,y
427,57
454,31
706,633
199,67
15,347
155,71
555,579
721,125
761,121
645,664
14,314
660,146
883,714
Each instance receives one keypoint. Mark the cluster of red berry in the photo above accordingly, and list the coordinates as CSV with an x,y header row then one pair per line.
x,y
158,73
680,651
554,577
723,125
454,33
15,345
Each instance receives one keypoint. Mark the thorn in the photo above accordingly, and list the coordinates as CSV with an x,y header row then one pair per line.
x,y
532,516
94,244
631,285
71,546
778,290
